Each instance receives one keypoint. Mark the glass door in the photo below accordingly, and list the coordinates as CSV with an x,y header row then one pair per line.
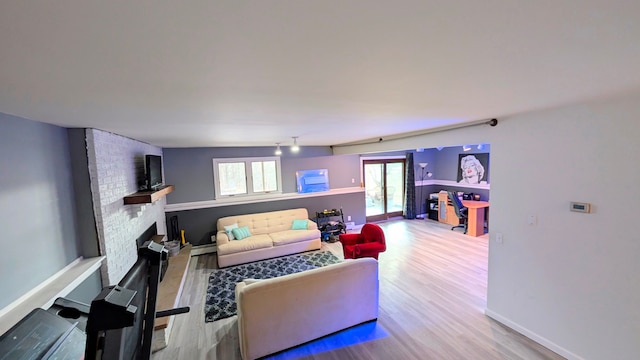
x,y
384,188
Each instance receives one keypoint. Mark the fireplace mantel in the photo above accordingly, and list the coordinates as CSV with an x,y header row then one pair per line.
x,y
148,197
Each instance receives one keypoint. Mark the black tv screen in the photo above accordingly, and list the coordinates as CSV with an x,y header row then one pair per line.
x,y
153,171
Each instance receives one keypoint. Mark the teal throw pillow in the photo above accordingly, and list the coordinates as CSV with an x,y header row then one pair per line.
x,y
299,225
241,232
228,229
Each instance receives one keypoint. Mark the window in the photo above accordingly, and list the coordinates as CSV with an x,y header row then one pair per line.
x,y
246,177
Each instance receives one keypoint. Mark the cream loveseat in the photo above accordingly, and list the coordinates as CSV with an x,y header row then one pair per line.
x,y
279,313
271,236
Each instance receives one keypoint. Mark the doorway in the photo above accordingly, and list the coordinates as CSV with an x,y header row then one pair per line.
x,y
384,188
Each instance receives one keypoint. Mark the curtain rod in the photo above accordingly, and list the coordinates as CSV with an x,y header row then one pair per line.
x,y
491,122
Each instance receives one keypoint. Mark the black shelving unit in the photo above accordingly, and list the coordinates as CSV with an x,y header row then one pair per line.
x,y
331,224
432,209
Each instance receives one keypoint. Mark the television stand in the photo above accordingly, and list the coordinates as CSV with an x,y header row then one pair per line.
x,y
148,196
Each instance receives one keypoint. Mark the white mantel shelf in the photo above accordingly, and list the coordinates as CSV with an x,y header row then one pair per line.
x,y
257,199
43,295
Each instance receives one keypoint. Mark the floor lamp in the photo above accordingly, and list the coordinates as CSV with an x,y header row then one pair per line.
x,y
423,174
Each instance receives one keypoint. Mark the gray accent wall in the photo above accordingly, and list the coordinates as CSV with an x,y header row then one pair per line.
x,y
342,169
484,193
86,225
422,192
447,164
190,170
444,166
200,224
37,205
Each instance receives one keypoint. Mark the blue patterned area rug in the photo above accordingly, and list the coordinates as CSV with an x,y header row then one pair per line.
x,y
221,297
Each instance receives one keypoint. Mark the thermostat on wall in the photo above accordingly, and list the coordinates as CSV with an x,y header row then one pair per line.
x,y
580,207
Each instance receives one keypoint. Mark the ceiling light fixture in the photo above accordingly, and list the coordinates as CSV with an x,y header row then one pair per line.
x,y
440,148
466,147
480,146
278,151
295,147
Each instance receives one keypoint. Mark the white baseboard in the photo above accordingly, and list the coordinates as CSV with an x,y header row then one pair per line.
x,y
203,249
533,336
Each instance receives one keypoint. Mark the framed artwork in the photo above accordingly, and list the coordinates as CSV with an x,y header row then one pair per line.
x,y
312,180
473,168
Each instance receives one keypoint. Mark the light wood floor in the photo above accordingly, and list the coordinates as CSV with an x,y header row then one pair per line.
x,y
433,285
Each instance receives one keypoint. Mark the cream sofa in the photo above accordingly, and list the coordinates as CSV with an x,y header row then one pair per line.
x,y
271,236
279,313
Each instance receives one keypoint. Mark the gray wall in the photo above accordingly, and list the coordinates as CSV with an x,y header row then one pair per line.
x,y
484,194
191,171
342,169
422,192
200,224
447,165
37,205
86,225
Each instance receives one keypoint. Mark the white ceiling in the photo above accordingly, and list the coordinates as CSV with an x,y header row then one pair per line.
x,y
253,73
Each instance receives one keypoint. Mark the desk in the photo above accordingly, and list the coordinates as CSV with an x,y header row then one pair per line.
x,y
475,226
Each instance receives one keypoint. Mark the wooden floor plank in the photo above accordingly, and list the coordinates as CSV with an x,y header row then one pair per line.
x,y
433,286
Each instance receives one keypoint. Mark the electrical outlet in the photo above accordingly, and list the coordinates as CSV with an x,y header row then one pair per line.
x,y
532,220
348,217
353,181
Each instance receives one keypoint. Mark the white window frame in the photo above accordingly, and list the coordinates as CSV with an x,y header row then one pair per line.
x,y
248,176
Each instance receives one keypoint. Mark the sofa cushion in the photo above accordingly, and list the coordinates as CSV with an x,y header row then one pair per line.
x,y
293,236
228,230
251,243
300,224
241,232
268,222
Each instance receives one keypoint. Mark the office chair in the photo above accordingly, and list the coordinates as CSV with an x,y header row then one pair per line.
x,y
461,211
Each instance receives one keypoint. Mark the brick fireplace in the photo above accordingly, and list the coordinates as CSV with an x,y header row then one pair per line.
x,y
116,168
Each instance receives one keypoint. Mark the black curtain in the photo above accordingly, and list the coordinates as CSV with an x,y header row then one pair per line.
x,y
409,211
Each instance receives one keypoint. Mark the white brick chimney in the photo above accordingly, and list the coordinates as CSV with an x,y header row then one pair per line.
x,y
116,168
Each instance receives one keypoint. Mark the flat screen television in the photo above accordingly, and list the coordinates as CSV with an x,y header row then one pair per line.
x,y
153,171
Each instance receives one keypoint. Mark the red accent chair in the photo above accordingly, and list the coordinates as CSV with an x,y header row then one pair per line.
x,y
369,243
